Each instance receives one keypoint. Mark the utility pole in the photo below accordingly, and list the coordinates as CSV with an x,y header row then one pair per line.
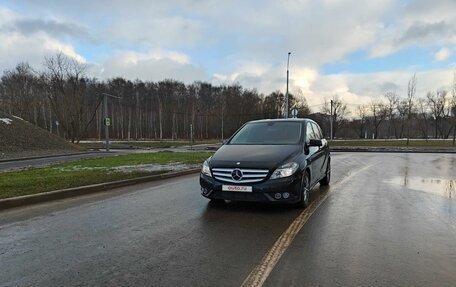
x,y
191,136
222,118
106,119
331,122
286,94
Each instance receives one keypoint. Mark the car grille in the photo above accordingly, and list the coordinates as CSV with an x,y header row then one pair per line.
x,y
248,175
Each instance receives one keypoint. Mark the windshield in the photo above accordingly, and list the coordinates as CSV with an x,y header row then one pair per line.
x,y
269,133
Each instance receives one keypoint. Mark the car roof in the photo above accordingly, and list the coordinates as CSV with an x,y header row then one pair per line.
x,y
283,120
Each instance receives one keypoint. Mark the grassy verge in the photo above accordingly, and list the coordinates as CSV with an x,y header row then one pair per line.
x,y
88,171
392,143
146,144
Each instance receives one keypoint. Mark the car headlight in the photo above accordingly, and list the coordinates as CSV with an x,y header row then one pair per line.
x,y
285,170
205,169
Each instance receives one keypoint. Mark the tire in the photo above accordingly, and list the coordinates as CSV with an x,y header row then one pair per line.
x,y
325,180
305,191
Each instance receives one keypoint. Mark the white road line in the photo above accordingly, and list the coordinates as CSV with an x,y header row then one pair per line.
x,y
260,273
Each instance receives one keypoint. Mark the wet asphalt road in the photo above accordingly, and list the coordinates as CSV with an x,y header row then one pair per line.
x,y
389,220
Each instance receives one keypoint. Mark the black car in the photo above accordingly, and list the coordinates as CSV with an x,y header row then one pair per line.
x,y
277,160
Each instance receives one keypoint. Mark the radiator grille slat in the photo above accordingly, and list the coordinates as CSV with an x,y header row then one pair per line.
x,y
248,175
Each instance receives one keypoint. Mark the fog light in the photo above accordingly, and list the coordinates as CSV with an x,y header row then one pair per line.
x,y
285,195
277,196
204,191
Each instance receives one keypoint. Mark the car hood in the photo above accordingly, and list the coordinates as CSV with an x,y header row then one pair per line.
x,y
254,156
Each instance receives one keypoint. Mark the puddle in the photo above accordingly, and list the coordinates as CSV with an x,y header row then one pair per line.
x,y
438,186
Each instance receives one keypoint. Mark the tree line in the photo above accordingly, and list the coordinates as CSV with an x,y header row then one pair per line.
x,y
64,100
391,116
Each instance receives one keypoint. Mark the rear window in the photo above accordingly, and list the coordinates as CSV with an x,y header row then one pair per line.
x,y
269,133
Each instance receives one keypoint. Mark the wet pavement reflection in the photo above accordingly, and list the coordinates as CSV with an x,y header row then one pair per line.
x,y
393,224
438,186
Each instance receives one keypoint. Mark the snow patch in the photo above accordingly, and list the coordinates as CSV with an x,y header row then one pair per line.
x,y
16,117
154,167
6,121
176,166
78,167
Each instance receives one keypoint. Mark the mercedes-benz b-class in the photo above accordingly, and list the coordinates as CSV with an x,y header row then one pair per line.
x,y
278,160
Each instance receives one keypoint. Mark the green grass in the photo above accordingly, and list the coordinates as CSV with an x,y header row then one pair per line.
x,y
392,143
147,144
47,179
85,172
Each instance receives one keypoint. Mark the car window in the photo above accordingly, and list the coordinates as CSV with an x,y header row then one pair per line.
x,y
280,133
309,133
321,132
317,131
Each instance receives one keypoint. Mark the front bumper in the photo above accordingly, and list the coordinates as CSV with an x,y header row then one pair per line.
x,y
261,192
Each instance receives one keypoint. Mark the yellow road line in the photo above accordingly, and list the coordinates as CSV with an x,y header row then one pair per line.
x,y
260,273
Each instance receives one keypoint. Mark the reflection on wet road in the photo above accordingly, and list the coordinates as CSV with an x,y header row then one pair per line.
x,y
388,220
393,225
438,186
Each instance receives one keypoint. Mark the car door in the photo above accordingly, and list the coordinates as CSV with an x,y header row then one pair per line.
x,y
312,154
320,153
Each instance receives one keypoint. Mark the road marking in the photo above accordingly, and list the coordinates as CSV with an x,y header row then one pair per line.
x,y
260,273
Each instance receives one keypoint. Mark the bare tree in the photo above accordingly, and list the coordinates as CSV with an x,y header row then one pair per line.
x,y
65,77
393,100
437,104
402,107
340,111
411,90
379,114
300,103
453,107
21,93
423,117
362,112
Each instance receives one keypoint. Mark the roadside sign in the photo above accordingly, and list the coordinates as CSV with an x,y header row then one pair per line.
x,y
107,122
294,112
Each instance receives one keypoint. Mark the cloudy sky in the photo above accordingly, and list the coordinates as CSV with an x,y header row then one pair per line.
x,y
355,50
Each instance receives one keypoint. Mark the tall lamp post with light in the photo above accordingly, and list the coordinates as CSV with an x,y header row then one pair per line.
x,y
286,94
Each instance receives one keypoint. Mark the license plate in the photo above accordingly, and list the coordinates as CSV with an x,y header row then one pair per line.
x,y
237,188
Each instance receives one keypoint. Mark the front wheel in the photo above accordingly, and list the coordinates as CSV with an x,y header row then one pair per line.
x,y
325,180
305,192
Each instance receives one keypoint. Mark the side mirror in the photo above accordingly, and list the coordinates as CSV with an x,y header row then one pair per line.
x,y
306,149
315,142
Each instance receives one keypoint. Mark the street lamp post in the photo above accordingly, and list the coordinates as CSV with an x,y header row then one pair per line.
x,y
286,94
332,119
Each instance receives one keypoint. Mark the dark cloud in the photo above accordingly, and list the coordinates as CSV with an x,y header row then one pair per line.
x,y
388,86
53,28
422,31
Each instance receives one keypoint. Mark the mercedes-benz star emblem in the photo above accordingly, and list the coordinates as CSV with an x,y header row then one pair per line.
x,y
236,174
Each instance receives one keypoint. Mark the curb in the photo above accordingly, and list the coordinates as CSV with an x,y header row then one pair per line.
x,y
87,189
45,156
